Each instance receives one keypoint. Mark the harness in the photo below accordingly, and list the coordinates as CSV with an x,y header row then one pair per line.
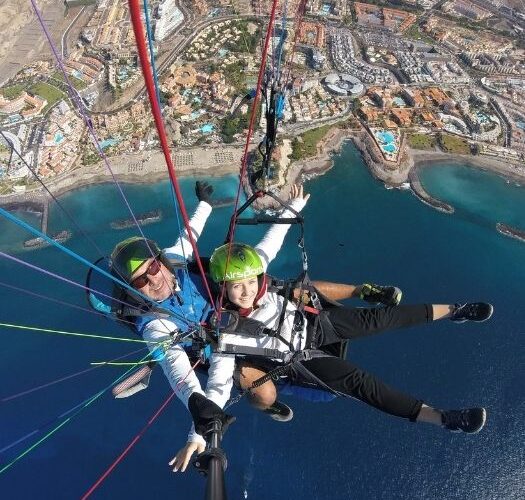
x,y
235,328
186,304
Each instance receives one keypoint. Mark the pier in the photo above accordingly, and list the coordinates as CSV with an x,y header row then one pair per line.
x,y
29,202
419,191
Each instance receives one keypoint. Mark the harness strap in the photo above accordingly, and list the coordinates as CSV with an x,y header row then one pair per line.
x,y
295,366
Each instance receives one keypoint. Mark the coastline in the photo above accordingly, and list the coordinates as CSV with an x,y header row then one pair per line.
x,y
149,167
498,166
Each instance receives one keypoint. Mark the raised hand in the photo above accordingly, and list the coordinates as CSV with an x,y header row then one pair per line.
x,y
203,190
296,191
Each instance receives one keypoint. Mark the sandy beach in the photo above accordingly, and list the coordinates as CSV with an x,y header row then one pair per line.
x,y
150,166
492,164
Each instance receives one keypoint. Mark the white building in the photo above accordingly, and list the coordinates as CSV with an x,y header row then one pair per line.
x,y
169,18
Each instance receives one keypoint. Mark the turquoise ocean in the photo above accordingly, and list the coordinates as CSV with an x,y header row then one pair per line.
x,y
356,231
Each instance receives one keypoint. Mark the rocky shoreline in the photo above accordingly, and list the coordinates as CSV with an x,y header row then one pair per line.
x,y
149,167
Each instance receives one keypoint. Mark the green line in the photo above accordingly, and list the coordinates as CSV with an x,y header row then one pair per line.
x,y
68,419
110,363
46,330
23,454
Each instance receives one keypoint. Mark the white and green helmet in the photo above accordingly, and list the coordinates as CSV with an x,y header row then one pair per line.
x,y
130,254
244,262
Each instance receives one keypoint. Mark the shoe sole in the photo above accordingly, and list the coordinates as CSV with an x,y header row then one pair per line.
x,y
282,418
491,310
483,420
398,295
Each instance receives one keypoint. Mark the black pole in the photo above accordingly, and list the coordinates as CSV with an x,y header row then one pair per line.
x,y
215,487
212,463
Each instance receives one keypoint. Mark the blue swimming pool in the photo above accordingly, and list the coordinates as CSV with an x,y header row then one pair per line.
x,y
58,138
207,128
106,143
398,101
386,137
386,141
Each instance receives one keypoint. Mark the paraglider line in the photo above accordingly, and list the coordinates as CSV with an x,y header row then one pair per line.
x,y
71,282
76,409
136,438
76,99
155,109
74,334
61,302
55,199
64,378
264,56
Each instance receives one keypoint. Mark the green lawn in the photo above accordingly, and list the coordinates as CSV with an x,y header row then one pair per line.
x,y
12,91
77,83
48,92
305,145
421,141
453,144
416,33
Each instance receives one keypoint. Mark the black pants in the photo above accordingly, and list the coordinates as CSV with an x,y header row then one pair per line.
x,y
343,376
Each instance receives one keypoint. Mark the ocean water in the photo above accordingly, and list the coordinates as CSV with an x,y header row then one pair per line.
x,y
356,231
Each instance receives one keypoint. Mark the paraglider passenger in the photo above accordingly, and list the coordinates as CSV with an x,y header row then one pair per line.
x,y
243,274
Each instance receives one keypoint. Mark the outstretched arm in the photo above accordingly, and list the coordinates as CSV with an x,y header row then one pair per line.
x,y
182,247
272,241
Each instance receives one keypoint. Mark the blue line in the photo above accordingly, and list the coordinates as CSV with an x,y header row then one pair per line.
x,y
151,55
281,42
69,252
75,410
179,228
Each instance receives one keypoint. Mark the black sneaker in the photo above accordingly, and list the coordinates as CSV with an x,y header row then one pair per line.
x,y
377,294
470,420
280,412
474,311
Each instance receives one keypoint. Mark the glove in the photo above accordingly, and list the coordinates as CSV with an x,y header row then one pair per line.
x,y
204,412
203,190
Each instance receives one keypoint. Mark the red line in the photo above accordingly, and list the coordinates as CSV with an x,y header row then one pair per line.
x,y
136,20
134,441
297,28
249,136
128,448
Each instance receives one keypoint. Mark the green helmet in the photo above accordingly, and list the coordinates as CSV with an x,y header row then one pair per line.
x,y
130,254
244,263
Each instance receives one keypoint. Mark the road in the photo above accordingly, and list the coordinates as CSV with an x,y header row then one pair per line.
x,y
63,40
170,58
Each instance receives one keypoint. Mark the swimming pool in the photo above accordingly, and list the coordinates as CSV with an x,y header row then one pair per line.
x,y
398,101
385,137
58,138
108,142
482,117
386,141
207,128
